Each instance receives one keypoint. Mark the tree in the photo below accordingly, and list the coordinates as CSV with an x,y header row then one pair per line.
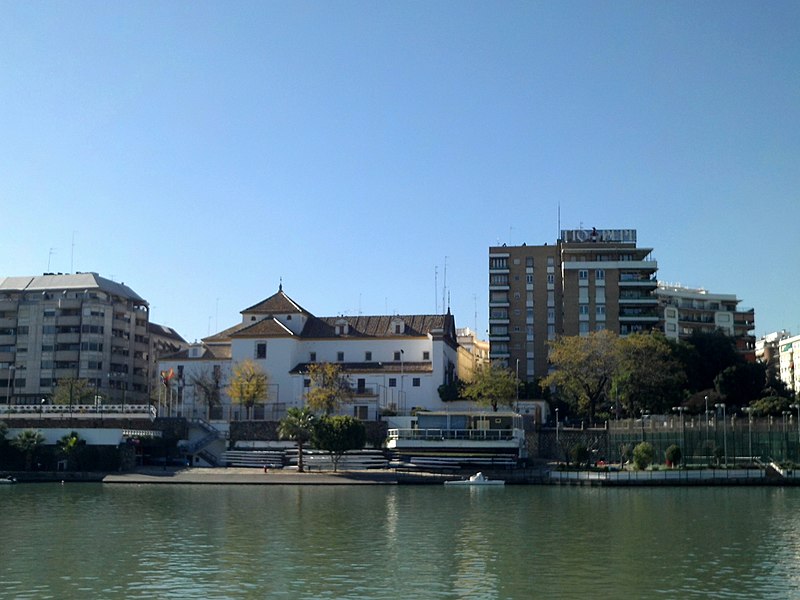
x,y
648,377
584,367
742,383
492,384
70,447
337,435
208,382
580,454
73,391
673,455
28,443
298,426
248,384
704,356
329,388
643,455
771,405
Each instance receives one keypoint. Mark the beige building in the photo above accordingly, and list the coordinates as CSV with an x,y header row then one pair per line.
x,y
80,326
472,352
588,280
685,310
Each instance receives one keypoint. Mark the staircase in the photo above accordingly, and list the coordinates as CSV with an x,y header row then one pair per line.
x,y
198,446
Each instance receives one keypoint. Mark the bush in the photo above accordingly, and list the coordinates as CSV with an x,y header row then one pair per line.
x,y
579,454
643,455
673,455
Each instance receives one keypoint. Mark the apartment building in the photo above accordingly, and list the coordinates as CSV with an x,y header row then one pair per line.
x,y
789,362
82,326
685,310
588,280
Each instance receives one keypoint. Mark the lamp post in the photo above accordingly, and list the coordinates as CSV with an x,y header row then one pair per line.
x,y
680,410
724,431
517,382
786,414
11,369
706,418
556,427
797,406
749,411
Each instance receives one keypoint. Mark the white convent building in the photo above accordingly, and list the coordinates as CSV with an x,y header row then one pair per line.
x,y
395,363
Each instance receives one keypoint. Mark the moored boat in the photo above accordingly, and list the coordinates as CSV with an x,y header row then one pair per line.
x,y
476,480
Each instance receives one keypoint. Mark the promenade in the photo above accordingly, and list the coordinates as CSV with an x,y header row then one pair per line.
x,y
249,476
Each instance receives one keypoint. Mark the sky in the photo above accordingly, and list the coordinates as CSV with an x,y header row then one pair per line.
x,y
367,154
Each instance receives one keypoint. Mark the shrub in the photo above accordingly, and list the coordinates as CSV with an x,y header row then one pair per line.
x,y
643,455
673,455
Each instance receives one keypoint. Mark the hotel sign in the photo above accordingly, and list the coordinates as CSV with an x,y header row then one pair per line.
x,y
598,235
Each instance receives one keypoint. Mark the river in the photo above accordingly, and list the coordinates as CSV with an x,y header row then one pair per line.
x,y
363,542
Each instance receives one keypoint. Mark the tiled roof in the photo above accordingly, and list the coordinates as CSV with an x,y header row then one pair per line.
x,y
164,331
373,367
277,304
264,328
225,334
215,352
374,326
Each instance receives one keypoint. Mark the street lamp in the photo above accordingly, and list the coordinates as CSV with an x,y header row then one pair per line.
x,y
724,431
749,411
706,418
797,406
556,426
680,410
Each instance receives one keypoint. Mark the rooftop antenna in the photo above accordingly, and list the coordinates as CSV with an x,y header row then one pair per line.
x,y
72,254
510,229
216,316
359,304
436,288
49,256
444,283
558,233
475,306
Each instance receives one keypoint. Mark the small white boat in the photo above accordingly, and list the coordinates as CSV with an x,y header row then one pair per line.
x,y
8,479
476,480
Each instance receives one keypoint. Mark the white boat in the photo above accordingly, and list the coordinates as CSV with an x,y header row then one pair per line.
x,y
8,479
476,480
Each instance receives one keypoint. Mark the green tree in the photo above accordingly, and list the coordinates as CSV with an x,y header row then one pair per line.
x,y
337,435
248,384
298,426
741,384
73,391
329,388
70,446
647,377
643,455
491,385
771,405
705,355
580,454
583,368
673,455
28,442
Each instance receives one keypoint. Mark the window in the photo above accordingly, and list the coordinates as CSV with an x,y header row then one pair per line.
x,y
498,330
426,355
368,356
551,315
306,383
583,328
498,263
312,357
498,279
340,357
551,278
528,261
583,309
392,382
415,382
397,356
261,350
600,310
529,278
583,275
498,313
600,275
495,296
551,261
398,328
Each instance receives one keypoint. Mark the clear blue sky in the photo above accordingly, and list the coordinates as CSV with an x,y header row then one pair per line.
x,y
201,151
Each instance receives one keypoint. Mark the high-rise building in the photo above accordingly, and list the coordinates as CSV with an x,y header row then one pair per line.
x,y
588,280
77,326
685,310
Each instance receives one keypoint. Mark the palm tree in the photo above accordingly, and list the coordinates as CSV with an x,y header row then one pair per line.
x,y
69,447
298,425
28,443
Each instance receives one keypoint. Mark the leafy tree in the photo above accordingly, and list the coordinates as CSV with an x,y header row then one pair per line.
x,y
643,455
492,384
580,454
298,426
329,388
28,443
771,405
584,367
450,392
648,377
70,446
673,455
704,356
248,384
73,391
742,383
337,435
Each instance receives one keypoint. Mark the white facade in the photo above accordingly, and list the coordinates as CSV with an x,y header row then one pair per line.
x,y
789,354
394,363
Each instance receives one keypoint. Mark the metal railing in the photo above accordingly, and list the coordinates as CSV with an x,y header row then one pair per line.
x,y
454,434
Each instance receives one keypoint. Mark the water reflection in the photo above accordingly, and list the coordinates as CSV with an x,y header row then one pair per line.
x,y
386,542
